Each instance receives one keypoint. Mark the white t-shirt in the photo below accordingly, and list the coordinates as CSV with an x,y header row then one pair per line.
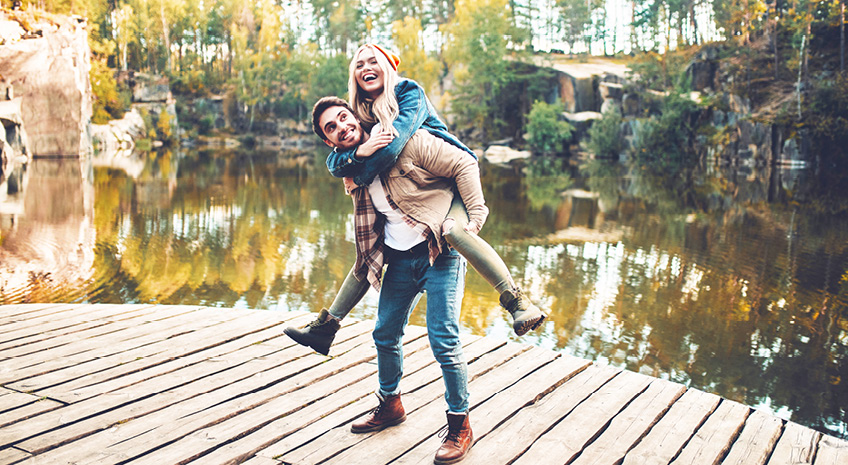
x,y
397,234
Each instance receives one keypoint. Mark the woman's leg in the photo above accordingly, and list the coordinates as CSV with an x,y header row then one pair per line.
x,y
349,295
319,334
489,264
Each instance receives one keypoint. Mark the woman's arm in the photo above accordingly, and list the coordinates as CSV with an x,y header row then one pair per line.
x,y
412,112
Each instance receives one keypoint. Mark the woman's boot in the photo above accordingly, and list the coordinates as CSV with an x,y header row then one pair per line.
x,y
318,334
525,315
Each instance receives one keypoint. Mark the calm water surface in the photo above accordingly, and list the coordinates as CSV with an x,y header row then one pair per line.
x,y
716,281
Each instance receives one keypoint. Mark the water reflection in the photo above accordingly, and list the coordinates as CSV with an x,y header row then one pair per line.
x,y
709,279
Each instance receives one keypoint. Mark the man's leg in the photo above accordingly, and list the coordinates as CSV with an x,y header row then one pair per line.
x,y
445,285
398,296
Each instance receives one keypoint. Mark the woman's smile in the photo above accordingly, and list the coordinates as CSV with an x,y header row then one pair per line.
x,y
368,74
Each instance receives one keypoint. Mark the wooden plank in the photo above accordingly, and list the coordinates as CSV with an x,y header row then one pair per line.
x,y
16,309
567,438
175,420
756,441
491,413
14,399
52,333
43,348
832,451
319,376
27,411
262,461
12,455
510,439
230,371
386,446
67,317
481,359
28,311
669,435
129,335
294,407
796,446
631,424
510,358
417,366
121,376
713,439
211,332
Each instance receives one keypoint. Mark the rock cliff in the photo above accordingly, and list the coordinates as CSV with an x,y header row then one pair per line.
x,y
47,66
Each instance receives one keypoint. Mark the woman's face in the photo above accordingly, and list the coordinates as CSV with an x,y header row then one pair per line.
x,y
368,74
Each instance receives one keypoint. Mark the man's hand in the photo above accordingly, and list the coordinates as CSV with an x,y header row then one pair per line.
x,y
374,143
349,185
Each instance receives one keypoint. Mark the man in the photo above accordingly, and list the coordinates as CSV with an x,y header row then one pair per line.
x,y
398,220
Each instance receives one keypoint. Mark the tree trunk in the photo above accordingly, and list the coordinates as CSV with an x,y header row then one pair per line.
x,y
842,37
693,23
774,38
166,35
633,41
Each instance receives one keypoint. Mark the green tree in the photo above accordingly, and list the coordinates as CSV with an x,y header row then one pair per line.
x,y
476,50
576,17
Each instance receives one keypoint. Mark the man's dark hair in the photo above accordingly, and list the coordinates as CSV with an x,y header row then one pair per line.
x,y
320,107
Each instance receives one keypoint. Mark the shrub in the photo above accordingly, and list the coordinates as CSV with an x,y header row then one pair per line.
x,y
546,133
666,142
605,138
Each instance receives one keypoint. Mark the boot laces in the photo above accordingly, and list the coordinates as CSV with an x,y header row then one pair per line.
x,y
448,434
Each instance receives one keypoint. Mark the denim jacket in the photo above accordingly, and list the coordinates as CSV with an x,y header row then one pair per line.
x,y
414,112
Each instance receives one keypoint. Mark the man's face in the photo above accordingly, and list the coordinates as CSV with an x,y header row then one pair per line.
x,y
341,128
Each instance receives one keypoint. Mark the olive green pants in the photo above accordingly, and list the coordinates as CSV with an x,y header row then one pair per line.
x,y
478,252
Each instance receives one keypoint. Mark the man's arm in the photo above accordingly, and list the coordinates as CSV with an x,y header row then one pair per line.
x,y
412,108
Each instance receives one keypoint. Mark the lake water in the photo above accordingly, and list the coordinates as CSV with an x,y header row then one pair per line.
x,y
723,282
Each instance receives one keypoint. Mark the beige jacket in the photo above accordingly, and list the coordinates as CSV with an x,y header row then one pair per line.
x,y
421,182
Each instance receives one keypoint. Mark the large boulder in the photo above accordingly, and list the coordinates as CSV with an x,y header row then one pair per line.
x,y
148,88
48,67
501,154
580,84
118,136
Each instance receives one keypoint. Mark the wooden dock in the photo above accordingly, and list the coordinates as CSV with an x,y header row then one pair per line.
x,y
144,384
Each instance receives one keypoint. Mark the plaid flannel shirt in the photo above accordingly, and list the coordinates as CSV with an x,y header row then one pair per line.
x,y
368,227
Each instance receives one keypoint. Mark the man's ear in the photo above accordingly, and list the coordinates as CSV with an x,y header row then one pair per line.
x,y
329,143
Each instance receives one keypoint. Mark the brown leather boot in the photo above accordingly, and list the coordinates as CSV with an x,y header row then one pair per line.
x,y
458,439
389,413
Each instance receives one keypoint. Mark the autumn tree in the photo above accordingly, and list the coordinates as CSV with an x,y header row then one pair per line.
x,y
415,64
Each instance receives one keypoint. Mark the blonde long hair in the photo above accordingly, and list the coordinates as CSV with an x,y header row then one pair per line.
x,y
384,108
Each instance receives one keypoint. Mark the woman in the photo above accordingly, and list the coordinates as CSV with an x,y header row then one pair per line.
x,y
403,112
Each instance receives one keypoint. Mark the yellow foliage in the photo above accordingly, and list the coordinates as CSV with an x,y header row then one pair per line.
x,y
415,64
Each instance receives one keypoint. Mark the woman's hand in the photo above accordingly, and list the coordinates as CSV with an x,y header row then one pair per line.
x,y
374,143
473,226
349,185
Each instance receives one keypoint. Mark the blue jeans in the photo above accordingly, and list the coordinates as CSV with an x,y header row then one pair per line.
x,y
407,275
